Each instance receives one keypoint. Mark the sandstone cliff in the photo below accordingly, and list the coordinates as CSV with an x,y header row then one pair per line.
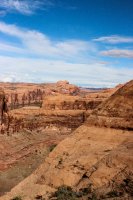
x,y
96,159
116,111
35,118
67,102
3,107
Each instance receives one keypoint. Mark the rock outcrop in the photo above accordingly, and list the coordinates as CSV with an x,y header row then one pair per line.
x,y
1,104
65,87
67,102
116,111
24,94
34,118
30,102
96,158
3,107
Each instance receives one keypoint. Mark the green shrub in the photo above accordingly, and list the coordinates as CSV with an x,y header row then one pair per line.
x,y
65,193
17,198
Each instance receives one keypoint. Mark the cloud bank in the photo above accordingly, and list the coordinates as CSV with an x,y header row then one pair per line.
x,y
41,70
31,56
38,43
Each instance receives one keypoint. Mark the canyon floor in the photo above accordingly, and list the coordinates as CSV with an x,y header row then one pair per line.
x,y
22,152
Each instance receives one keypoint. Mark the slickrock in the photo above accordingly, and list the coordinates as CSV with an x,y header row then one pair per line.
x,y
92,156
116,111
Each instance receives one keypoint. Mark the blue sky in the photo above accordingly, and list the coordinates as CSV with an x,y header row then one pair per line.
x,y
88,42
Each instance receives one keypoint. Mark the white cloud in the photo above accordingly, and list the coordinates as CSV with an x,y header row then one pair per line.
x,y
118,53
26,7
38,43
38,58
10,48
114,39
41,70
6,79
11,30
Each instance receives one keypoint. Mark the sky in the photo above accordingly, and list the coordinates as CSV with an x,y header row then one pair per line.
x,y
88,42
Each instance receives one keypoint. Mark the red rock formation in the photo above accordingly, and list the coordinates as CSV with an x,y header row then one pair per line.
x,y
22,95
62,83
65,87
98,159
33,119
67,102
116,111
3,108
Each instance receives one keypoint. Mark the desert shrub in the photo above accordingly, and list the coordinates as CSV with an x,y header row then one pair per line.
x,y
113,193
127,186
17,198
65,193
85,191
51,148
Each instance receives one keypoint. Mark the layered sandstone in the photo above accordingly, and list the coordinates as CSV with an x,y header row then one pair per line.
x,y
116,111
27,94
34,118
3,107
67,102
32,106
96,158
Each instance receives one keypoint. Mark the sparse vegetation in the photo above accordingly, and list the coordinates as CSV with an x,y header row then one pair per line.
x,y
67,193
127,186
112,193
51,148
17,198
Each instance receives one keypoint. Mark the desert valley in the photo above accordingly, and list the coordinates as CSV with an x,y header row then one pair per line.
x,y
66,100
59,141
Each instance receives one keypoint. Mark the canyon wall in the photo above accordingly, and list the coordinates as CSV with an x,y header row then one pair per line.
x,y
32,106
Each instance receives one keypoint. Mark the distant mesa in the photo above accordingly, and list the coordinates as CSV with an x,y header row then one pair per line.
x,y
64,82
